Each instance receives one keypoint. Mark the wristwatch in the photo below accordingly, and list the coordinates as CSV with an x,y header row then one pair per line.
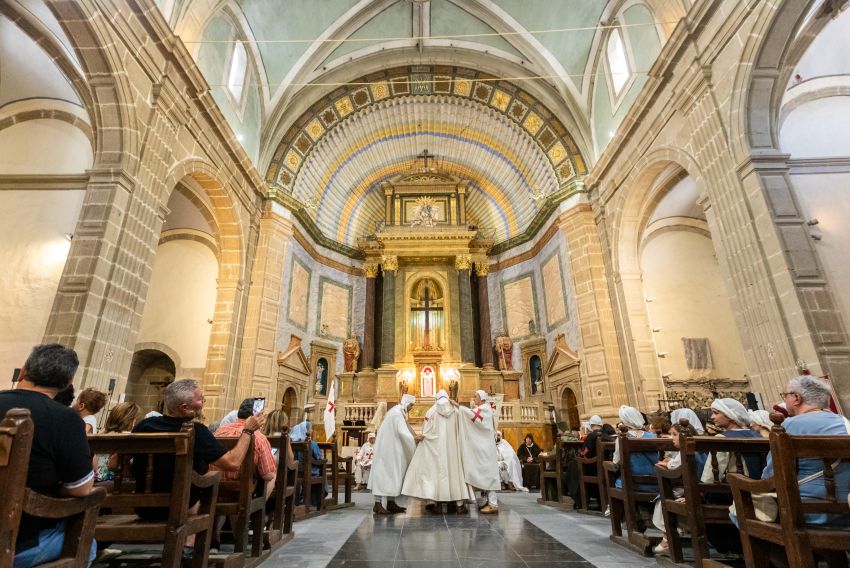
x,y
248,431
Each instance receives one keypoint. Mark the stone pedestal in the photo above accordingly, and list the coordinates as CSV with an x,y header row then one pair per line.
x,y
510,385
346,386
490,378
365,386
387,384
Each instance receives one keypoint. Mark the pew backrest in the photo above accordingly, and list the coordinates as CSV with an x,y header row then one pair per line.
x,y
16,435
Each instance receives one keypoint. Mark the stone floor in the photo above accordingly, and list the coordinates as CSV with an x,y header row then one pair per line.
x,y
523,534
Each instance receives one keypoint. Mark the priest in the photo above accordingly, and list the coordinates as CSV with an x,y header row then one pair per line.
x,y
436,471
480,465
393,451
510,470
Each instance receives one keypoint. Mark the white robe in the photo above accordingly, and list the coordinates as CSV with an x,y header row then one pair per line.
x,y
436,472
363,462
480,463
393,451
512,467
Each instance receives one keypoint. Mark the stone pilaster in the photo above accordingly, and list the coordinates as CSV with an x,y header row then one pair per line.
x,y
463,264
601,364
389,266
482,269
371,270
257,370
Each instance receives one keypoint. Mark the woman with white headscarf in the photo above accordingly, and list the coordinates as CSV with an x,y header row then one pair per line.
x,y
732,417
760,422
692,417
642,463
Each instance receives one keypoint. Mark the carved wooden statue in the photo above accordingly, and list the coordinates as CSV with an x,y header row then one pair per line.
x,y
351,353
505,351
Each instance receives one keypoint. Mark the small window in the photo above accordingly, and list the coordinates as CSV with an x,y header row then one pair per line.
x,y
238,71
618,61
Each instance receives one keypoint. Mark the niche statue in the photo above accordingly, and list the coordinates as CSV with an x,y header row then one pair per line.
x,y
351,353
505,351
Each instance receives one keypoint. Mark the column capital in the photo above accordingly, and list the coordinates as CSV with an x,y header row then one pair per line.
x,y
371,269
482,268
463,262
389,262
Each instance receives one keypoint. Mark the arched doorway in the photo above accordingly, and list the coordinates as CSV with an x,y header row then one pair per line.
x,y
569,408
290,405
150,371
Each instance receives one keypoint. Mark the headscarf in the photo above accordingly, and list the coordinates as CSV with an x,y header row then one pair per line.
x,y
408,400
229,418
631,417
299,432
482,395
692,417
152,414
442,404
442,397
595,420
760,417
733,410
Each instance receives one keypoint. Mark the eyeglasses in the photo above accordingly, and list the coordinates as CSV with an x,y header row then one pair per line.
x,y
785,394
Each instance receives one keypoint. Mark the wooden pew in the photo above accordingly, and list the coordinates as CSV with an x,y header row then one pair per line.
x,y
800,541
626,502
592,476
16,435
177,523
553,470
244,502
282,514
341,471
695,513
306,483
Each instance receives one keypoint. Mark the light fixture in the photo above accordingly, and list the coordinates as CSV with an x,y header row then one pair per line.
x,y
656,329
69,236
663,354
648,300
812,222
666,375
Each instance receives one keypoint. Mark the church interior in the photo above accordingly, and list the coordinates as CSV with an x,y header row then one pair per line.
x,y
570,205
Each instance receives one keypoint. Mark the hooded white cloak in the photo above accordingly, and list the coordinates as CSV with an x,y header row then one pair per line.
x,y
436,472
513,469
480,464
393,451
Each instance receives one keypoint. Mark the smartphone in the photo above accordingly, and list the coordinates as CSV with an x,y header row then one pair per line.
x,y
259,405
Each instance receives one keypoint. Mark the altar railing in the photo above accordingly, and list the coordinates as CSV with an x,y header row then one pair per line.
x,y
521,412
359,411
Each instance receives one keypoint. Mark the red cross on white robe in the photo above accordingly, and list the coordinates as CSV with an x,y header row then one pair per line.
x,y
477,416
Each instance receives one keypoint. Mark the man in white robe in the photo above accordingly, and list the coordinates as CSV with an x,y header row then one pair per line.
x,y
363,461
510,470
393,451
436,471
480,464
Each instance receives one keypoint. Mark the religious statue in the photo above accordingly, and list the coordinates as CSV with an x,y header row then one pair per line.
x,y
320,371
454,386
402,387
351,353
424,213
505,351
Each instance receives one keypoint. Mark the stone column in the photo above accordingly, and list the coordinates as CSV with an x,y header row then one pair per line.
x,y
389,265
257,370
481,270
463,264
371,270
601,363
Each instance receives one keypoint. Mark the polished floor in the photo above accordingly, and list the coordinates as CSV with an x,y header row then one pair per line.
x,y
523,534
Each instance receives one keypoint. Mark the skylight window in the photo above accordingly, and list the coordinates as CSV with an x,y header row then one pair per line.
x,y
618,61
238,71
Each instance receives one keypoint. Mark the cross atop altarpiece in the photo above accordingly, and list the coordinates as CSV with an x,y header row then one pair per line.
x,y
425,156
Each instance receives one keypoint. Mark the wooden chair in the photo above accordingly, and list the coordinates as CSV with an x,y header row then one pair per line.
x,y
244,502
626,502
553,471
307,483
16,435
592,477
699,508
177,523
283,513
800,541
341,471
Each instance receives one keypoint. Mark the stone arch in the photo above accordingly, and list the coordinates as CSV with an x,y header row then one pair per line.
x,y
151,369
569,408
53,114
289,404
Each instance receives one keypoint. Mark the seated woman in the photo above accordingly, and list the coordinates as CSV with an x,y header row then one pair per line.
x,y
529,455
303,432
642,463
122,419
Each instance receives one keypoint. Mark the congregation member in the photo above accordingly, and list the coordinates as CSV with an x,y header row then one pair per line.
x,y
394,449
60,463
66,396
480,465
760,422
363,459
642,463
89,403
529,456
276,421
435,473
122,418
510,470
595,424
303,432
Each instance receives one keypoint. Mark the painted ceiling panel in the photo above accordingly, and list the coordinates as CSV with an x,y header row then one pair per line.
x,y
289,20
394,22
343,173
449,20
571,48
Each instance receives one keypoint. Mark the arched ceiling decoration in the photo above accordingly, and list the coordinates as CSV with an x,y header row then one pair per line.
x,y
488,131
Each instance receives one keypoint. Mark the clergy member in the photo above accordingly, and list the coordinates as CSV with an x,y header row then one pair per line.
x,y
363,461
393,452
436,471
480,465
510,470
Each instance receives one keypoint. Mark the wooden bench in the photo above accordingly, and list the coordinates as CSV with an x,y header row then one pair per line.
x,y
341,471
801,541
592,477
283,498
243,501
705,503
306,483
16,436
626,502
177,523
553,470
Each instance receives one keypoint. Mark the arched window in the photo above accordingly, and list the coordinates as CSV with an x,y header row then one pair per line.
x,y
618,61
238,74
